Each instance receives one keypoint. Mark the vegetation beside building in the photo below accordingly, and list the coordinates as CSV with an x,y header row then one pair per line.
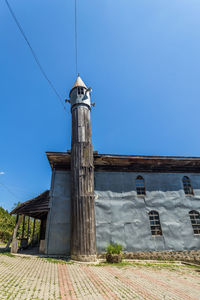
x,y
7,224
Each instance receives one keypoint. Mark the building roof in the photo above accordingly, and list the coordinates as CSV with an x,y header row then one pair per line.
x,y
130,163
37,207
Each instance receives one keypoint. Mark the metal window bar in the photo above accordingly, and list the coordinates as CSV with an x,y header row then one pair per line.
x,y
195,221
140,187
187,186
155,223
80,91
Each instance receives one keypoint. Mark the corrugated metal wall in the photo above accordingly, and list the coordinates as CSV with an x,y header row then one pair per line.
x,y
122,216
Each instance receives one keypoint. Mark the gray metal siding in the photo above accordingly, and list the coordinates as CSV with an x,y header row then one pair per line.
x,y
122,216
58,223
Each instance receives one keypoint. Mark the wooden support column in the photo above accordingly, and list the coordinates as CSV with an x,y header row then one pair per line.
x,y
23,226
28,227
83,238
43,228
14,247
33,235
42,235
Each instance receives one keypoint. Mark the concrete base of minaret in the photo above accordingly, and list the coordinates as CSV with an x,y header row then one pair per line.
x,y
84,258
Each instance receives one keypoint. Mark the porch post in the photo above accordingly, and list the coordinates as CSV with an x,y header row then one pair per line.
x,y
14,247
24,218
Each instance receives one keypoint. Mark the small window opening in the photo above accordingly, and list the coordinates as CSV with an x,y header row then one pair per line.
x,y
80,90
187,186
140,186
195,220
155,223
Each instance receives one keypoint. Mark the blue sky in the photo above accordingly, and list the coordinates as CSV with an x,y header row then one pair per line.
x,y
141,58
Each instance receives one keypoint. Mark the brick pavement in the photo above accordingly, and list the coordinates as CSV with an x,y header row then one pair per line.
x,y
31,277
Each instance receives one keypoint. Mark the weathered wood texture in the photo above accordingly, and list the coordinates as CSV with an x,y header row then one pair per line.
x,y
28,227
33,234
43,228
23,226
131,163
14,247
83,239
37,207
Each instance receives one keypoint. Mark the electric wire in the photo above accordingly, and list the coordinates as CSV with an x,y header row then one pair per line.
x,y
8,189
76,38
34,54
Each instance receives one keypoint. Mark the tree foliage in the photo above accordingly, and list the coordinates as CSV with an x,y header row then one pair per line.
x,y
7,224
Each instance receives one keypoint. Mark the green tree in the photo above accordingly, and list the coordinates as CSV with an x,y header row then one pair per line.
x,y
7,224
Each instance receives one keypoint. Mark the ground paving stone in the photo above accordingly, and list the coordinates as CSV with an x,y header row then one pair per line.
x,y
32,277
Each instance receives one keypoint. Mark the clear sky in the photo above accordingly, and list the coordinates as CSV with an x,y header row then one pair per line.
x,y
142,60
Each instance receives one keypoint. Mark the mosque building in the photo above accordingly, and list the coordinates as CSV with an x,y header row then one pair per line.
x,y
145,203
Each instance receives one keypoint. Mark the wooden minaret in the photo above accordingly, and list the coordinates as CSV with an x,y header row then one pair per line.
x,y
83,238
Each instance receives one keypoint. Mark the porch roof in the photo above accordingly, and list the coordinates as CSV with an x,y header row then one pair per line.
x,y
36,207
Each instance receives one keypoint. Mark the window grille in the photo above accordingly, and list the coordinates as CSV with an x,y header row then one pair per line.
x,y
140,187
195,220
155,223
80,90
187,185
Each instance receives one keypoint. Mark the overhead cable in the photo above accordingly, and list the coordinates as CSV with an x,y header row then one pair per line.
x,y
34,54
76,39
8,189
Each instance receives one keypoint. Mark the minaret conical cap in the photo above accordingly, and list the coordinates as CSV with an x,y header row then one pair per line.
x,y
79,82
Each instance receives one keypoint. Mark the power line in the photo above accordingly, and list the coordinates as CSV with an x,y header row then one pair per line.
x,y
76,38
5,186
34,54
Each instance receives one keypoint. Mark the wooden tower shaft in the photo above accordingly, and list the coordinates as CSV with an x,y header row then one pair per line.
x,y
83,241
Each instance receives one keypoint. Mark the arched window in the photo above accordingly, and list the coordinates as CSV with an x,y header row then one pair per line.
x,y
187,185
80,90
195,220
140,187
155,223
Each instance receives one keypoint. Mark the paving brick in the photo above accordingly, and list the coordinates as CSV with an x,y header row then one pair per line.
x,y
30,278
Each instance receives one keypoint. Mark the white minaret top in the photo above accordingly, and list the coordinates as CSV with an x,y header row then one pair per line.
x,y
79,82
80,94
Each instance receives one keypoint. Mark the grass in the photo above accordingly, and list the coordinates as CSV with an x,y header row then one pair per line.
x,y
122,264
191,266
54,260
170,265
58,260
7,254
